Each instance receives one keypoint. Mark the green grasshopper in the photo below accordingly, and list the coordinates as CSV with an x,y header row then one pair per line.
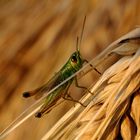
x,y
74,63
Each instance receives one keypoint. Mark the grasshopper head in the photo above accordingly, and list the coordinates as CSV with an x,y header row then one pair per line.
x,y
76,60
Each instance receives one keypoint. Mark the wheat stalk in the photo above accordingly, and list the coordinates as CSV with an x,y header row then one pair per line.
x,y
114,107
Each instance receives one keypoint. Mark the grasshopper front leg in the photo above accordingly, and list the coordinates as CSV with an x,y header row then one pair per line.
x,y
91,66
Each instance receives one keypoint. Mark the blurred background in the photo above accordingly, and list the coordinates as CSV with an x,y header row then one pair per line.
x,y
37,38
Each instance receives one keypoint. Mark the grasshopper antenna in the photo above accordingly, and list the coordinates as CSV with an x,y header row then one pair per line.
x,y
77,43
81,36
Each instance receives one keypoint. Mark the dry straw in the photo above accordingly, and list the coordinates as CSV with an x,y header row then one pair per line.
x,y
113,110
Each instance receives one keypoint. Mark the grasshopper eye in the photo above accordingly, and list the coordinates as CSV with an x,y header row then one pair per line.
x,y
74,59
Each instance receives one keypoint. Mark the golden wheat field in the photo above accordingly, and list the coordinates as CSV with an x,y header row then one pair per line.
x,y
36,40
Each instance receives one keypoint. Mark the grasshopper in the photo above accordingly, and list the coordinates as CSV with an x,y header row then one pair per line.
x,y
74,63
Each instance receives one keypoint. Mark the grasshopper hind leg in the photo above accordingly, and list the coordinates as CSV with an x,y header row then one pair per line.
x,y
44,110
49,103
38,114
29,93
26,94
